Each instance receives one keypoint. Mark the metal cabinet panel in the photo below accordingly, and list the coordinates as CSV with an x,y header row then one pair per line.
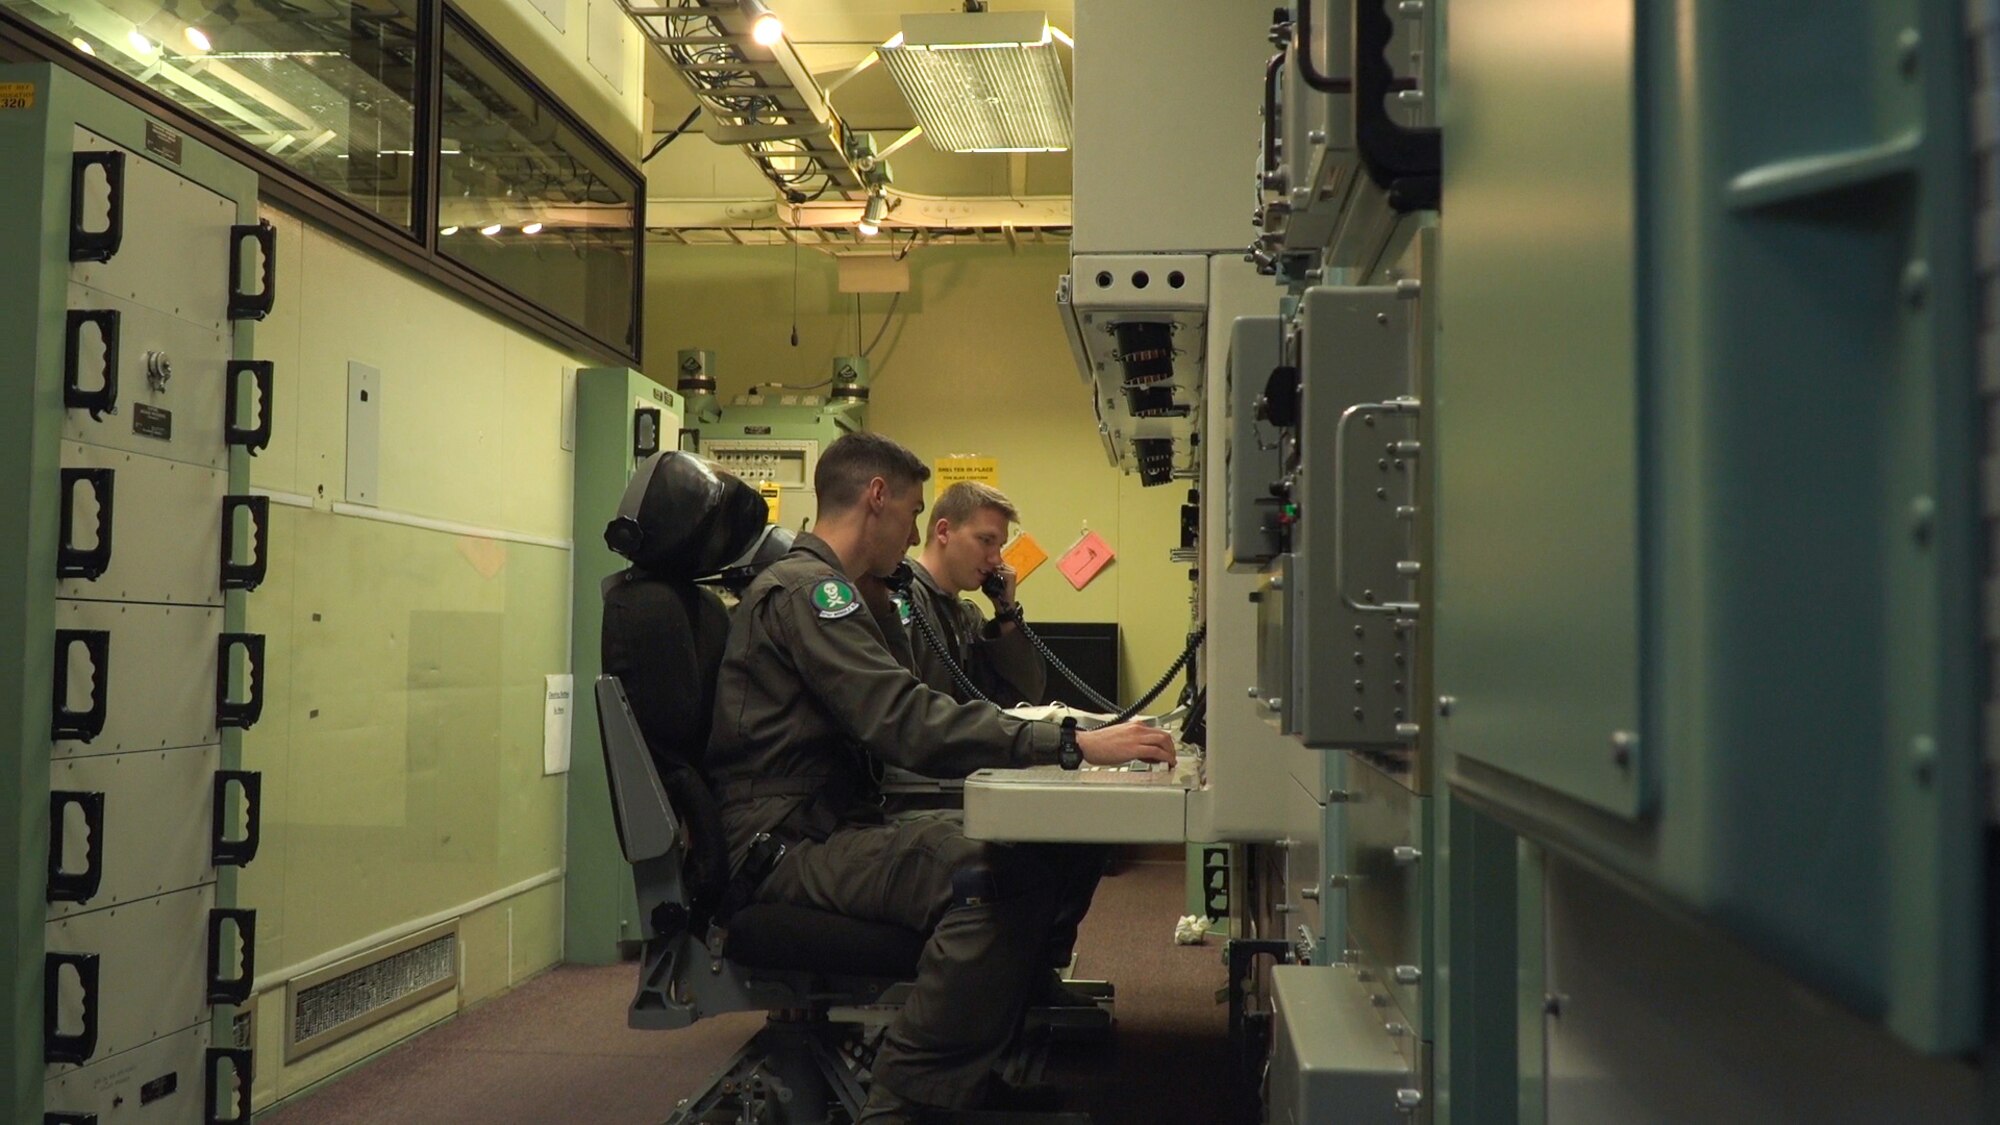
x,y
166,529
1304,890
1652,1005
1214,51
1273,689
174,257
158,820
1538,488
187,406
1389,862
1353,545
161,1083
1709,596
152,967
1250,459
161,680
1330,1057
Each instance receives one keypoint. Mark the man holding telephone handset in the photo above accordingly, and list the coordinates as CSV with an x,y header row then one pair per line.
x,y
961,554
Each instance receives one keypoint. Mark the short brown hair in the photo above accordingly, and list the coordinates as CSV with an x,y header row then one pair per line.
x,y
853,460
965,499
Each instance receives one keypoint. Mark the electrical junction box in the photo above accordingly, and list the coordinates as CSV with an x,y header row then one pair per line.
x,y
1137,326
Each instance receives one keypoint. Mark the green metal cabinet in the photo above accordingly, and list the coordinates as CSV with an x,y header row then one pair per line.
x,y
132,407
1707,606
622,417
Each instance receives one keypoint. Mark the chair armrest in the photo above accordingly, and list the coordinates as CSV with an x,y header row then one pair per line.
x,y
647,826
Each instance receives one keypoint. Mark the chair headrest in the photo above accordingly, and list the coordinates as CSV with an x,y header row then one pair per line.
x,y
772,544
681,518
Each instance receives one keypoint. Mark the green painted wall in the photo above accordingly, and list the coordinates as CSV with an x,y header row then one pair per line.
x,y
974,361
401,742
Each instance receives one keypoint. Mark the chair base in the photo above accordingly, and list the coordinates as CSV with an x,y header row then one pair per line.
x,y
792,1072
811,1071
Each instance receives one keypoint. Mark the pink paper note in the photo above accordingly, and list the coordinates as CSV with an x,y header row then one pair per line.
x,y
1081,563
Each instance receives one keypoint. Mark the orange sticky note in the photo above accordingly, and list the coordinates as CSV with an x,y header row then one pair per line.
x,y
1081,562
1024,555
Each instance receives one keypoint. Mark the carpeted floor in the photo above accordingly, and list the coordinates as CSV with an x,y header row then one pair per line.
x,y
556,1050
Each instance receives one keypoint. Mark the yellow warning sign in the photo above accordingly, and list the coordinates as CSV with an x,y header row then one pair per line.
x,y
950,470
17,95
771,496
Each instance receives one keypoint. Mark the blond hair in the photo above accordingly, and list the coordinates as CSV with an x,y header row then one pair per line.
x,y
967,498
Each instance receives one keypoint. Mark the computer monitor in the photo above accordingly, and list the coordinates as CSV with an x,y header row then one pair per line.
x,y
1090,649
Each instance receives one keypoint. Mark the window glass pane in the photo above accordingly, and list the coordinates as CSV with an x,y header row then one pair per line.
x,y
326,86
525,199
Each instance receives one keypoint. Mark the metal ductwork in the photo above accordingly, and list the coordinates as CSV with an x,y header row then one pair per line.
x,y
760,97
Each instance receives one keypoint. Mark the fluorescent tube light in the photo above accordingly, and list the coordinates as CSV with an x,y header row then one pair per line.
x,y
983,81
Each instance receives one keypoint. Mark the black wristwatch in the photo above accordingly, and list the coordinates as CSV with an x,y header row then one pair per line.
x,y
1013,613
1068,753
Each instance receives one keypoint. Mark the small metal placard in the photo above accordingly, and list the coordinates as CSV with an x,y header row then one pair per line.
x,y
163,142
757,430
159,1088
17,95
152,422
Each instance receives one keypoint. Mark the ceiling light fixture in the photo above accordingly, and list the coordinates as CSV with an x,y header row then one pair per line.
x,y
983,81
490,231
83,45
139,42
198,39
872,216
448,231
531,228
766,29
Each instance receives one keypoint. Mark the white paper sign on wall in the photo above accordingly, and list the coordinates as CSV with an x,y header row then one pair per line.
x,y
555,725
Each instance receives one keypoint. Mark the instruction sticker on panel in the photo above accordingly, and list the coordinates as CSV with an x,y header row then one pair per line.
x,y
1085,559
17,95
951,470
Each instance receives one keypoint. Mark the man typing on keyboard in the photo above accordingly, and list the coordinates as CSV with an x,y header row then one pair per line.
x,y
811,702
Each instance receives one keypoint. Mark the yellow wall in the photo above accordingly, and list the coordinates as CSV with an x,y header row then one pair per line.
x,y
974,362
401,739
561,61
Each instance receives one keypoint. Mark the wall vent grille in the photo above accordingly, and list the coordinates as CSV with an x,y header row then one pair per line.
x,y
333,1003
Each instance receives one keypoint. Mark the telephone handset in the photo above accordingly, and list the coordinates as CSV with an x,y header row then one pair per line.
x,y
900,581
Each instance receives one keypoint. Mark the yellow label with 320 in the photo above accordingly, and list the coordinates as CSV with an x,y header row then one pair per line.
x,y
17,95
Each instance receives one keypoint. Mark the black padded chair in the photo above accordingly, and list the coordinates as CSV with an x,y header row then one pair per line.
x,y
662,647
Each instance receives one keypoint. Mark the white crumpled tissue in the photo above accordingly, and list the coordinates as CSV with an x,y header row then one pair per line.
x,y
1190,930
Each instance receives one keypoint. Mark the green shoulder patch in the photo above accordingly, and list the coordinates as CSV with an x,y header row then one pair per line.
x,y
833,597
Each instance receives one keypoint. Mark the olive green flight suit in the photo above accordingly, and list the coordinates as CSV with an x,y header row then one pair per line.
x,y
810,698
1002,664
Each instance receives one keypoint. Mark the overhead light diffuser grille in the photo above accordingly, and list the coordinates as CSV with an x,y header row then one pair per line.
x,y
983,82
